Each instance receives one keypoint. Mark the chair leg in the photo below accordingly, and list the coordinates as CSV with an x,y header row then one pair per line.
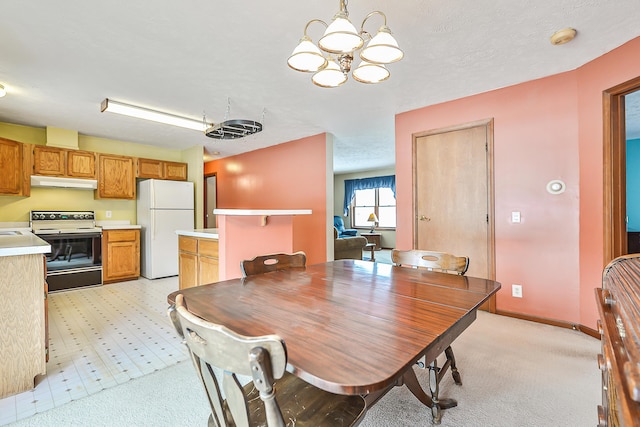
x,y
454,370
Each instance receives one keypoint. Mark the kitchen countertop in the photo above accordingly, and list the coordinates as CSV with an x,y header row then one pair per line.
x,y
204,233
21,242
261,212
116,225
121,227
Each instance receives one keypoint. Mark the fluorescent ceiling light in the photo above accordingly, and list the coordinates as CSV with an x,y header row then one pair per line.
x,y
155,116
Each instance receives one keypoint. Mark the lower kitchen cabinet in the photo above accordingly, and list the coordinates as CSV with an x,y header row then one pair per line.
x,y
23,320
120,255
198,261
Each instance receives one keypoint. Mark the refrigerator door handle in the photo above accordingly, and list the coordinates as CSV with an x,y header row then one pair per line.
x,y
153,226
152,194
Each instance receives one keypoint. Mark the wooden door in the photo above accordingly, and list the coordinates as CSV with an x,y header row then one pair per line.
x,y
210,201
453,195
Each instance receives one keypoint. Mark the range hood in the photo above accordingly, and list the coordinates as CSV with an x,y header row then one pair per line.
x,y
60,182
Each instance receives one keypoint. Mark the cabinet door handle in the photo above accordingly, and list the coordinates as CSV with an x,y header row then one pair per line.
x,y
424,218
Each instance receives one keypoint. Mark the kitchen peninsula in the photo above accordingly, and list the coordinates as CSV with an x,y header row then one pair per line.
x,y
210,255
22,310
197,257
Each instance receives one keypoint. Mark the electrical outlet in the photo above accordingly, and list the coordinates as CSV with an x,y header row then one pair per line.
x,y
108,214
516,291
515,217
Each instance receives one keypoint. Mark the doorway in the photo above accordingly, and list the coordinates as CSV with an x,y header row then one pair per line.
x,y
453,194
615,169
210,201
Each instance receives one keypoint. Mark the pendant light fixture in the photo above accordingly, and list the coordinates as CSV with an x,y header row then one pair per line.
x,y
331,59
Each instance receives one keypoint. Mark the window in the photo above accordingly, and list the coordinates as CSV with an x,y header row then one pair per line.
x,y
380,201
374,195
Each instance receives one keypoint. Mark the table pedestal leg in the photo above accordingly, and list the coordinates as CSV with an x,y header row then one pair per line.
x,y
437,405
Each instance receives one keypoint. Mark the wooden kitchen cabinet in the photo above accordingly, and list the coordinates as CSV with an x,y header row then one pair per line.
x,y
198,261
149,168
81,164
116,177
52,161
160,169
23,320
46,309
14,161
175,171
120,255
48,161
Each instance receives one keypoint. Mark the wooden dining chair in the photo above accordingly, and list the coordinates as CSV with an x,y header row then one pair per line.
x,y
435,261
274,397
440,262
274,262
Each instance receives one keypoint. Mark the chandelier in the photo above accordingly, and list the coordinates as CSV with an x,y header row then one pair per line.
x,y
340,42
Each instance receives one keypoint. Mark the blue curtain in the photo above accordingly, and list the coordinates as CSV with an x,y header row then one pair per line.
x,y
351,185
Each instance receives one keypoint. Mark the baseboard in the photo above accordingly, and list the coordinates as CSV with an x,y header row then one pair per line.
x,y
562,324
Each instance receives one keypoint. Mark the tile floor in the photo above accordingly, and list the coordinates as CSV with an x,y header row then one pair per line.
x,y
100,337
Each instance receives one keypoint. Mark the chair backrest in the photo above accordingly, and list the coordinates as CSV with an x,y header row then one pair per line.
x,y
263,358
338,223
435,261
274,262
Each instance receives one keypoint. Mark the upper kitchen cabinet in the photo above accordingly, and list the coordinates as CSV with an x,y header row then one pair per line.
x,y
116,177
52,161
14,164
175,171
48,161
160,169
81,164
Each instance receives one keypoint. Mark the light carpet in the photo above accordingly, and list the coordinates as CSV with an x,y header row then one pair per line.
x,y
514,373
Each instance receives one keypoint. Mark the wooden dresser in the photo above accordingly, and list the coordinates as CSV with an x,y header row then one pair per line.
x,y
619,325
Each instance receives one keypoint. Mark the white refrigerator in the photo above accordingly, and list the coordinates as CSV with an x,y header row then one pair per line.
x,y
163,208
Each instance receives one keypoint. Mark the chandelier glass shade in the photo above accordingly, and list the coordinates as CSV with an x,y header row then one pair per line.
x,y
335,51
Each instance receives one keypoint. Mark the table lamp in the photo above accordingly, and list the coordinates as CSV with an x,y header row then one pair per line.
x,y
374,220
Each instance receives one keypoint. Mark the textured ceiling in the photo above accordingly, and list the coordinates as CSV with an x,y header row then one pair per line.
x,y
61,58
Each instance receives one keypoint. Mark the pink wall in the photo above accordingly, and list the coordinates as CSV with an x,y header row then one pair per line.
x,y
286,176
544,129
617,66
273,237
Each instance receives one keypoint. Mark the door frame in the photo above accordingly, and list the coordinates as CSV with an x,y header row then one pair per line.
x,y
488,124
205,197
615,168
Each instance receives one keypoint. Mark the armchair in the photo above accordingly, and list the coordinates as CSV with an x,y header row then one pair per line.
x,y
338,223
348,247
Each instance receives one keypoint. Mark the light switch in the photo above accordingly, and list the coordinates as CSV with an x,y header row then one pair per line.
x,y
515,217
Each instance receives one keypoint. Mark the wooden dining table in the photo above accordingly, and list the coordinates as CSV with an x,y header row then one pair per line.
x,y
349,326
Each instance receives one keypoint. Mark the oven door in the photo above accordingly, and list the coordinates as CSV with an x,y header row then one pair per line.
x,y
75,260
